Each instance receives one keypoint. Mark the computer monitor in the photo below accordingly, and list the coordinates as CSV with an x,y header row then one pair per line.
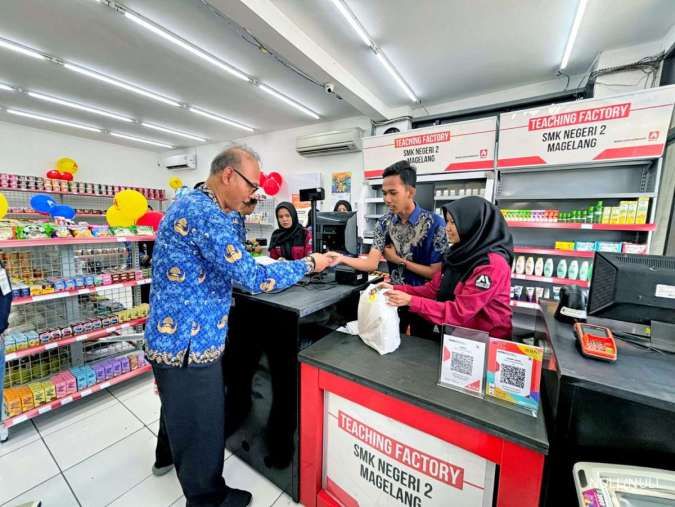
x,y
337,232
633,288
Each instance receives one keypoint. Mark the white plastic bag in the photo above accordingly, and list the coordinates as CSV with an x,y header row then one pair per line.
x,y
378,321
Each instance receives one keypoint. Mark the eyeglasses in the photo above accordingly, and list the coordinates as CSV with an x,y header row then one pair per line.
x,y
249,182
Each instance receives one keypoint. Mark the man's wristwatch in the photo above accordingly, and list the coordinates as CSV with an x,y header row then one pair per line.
x,y
403,263
311,264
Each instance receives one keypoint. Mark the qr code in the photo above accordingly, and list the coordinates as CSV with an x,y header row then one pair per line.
x,y
513,376
461,363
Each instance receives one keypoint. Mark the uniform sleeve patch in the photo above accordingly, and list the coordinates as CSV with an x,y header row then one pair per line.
x,y
483,282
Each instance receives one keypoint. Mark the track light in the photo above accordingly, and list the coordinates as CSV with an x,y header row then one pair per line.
x,y
6,88
581,8
81,107
12,46
174,132
288,101
47,119
353,22
221,119
120,84
397,77
140,140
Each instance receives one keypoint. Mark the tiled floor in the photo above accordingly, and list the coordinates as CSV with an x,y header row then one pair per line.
x,y
99,451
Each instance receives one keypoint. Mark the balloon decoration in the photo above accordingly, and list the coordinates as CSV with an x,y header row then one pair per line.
x,y
116,218
66,166
65,170
4,206
271,183
63,211
151,218
131,203
175,182
42,203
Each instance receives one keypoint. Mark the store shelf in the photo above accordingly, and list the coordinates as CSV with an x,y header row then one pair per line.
x,y
525,304
14,243
78,292
552,251
452,197
594,227
556,281
375,200
594,197
93,335
76,194
48,407
375,217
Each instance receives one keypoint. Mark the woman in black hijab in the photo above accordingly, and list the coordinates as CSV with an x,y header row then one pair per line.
x,y
342,207
291,241
473,288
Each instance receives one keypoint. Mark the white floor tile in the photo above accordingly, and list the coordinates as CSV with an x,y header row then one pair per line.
x,y
76,411
20,435
239,475
53,493
179,503
133,387
152,492
86,437
24,469
154,426
111,473
145,405
286,501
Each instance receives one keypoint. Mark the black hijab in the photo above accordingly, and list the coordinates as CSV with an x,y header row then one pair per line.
x,y
286,239
346,204
482,230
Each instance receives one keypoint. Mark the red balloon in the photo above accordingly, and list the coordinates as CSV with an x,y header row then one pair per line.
x,y
271,187
53,175
151,218
277,177
262,179
66,176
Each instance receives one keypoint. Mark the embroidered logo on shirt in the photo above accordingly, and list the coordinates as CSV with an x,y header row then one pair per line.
x,y
483,282
195,329
232,254
167,326
175,274
268,285
202,277
222,323
181,226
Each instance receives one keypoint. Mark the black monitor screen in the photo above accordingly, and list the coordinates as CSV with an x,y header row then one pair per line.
x,y
337,232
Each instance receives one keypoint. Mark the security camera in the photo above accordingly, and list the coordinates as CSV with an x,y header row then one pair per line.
x,y
329,87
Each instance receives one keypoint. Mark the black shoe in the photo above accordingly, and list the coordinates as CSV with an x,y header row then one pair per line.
x,y
237,498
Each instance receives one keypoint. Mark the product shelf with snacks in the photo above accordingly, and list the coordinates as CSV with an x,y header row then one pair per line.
x,y
79,301
545,279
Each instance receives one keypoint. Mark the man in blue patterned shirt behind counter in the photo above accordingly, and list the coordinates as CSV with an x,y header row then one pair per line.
x,y
198,255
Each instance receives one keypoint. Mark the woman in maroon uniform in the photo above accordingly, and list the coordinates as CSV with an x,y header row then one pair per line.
x,y
291,241
473,288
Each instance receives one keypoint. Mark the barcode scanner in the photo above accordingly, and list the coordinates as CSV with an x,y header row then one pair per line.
x,y
572,306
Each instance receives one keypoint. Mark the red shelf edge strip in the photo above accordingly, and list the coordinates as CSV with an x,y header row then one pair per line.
x,y
77,292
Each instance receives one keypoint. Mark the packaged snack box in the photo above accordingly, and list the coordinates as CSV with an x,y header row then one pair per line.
x,y
99,371
642,211
11,401
607,246
27,402
38,393
50,390
117,367
109,370
124,361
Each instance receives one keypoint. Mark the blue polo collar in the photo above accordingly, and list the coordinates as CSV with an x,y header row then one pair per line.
x,y
414,216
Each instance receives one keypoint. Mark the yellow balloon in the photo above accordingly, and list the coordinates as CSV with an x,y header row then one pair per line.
x,y
131,203
116,218
66,165
175,182
4,206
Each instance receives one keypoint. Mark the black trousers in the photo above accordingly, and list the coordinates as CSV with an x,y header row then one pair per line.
x,y
163,456
419,326
193,411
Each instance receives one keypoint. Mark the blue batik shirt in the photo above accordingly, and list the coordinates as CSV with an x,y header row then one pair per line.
x,y
198,255
421,240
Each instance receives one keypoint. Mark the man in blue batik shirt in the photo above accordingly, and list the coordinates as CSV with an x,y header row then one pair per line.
x,y
411,239
198,255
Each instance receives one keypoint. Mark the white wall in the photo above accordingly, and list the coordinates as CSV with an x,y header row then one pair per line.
x,y
30,151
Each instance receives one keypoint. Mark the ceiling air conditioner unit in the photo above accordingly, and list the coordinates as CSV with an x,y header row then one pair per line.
x,y
181,161
330,143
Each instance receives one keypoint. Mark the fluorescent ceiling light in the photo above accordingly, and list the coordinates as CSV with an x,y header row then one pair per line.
x,y
140,140
6,88
172,131
20,49
353,22
53,120
165,34
120,84
288,101
581,7
221,119
75,105
390,68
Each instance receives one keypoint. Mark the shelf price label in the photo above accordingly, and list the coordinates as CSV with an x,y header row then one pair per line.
x,y
630,126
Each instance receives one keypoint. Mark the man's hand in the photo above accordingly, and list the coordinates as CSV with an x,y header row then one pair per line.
x,y
334,257
385,286
397,298
391,255
321,262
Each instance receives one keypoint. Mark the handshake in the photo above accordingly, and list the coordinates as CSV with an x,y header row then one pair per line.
x,y
323,261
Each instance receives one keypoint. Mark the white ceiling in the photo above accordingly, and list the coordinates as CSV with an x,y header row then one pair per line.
x,y
445,49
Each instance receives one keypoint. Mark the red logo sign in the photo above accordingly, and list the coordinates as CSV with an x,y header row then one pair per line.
x,y
436,137
653,135
483,153
614,112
